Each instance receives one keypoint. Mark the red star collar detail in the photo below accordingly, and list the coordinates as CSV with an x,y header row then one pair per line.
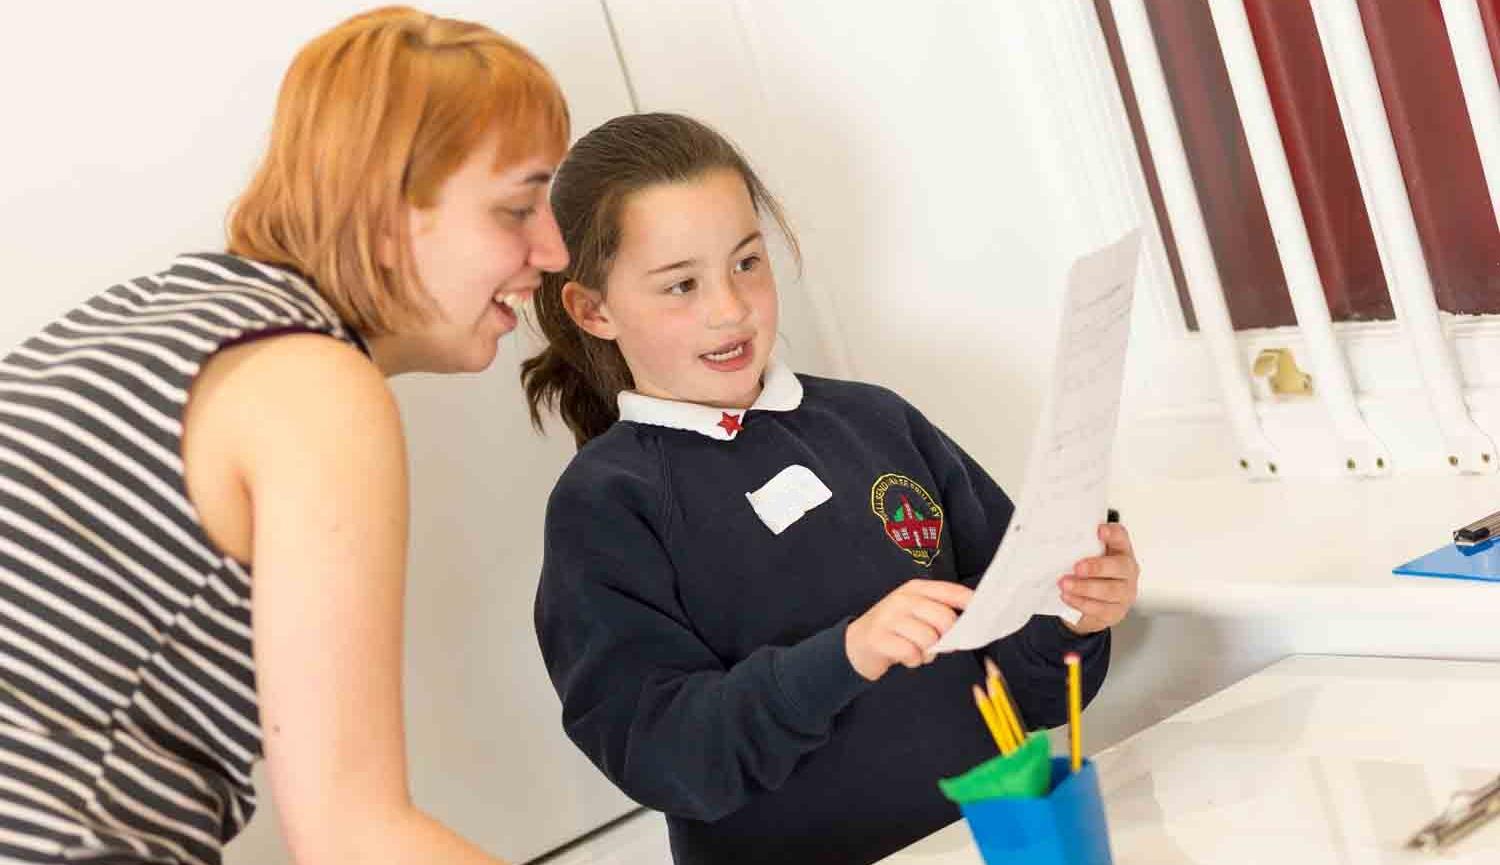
x,y
780,391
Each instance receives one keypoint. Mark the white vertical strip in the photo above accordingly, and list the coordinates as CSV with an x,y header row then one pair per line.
x,y
1074,99
826,317
1116,199
1361,452
1113,132
1476,73
614,40
1257,454
1103,145
1362,109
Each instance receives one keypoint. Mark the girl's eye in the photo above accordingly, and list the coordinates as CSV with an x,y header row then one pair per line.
x,y
747,264
683,287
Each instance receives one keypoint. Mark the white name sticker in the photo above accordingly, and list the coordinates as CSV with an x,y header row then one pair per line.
x,y
785,498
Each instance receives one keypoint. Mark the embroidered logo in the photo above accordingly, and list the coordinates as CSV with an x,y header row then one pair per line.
x,y
913,520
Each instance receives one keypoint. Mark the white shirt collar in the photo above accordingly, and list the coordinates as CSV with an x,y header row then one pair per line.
x,y
780,391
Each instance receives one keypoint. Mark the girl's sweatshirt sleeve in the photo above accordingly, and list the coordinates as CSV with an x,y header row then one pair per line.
x,y
642,695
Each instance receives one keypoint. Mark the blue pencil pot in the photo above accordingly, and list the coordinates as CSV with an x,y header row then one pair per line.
x,y
1066,827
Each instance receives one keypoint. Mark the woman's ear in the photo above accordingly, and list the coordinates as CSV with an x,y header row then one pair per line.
x,y
409,220
587,309
386,249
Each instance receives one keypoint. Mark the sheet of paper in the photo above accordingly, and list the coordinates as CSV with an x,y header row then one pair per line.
x,y
1063,502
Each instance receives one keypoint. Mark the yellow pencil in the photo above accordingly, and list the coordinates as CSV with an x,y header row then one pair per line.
x,y
988,712
1075,709
1005,706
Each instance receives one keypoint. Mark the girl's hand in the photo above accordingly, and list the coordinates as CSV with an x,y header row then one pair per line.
x,y
1103,587
903,626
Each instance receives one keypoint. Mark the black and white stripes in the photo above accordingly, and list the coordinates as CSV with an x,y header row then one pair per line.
x,y
128,719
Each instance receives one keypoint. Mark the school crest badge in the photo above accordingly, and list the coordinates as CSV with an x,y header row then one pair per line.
x,y
913,520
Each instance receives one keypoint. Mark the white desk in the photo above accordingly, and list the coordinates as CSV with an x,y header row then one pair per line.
x,y
1313,760
1321,549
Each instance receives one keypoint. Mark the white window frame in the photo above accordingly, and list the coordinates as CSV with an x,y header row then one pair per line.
x,y
1418,394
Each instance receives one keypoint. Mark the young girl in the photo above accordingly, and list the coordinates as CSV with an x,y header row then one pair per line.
x,y
739,558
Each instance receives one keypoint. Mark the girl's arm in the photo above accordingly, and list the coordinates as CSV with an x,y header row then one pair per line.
x,y
978,512
647,700
309,429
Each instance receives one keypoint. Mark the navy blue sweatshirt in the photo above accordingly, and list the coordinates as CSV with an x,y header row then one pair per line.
x,y
700,656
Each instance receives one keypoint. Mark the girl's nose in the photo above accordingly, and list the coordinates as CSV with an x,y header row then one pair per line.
x,y
726,308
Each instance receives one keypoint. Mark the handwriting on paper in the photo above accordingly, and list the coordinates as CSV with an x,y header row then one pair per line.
x,y
1063,501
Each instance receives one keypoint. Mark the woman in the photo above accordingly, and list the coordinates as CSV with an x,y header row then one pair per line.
x,y
231,413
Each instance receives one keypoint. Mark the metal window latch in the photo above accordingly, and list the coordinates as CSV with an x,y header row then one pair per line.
x,y
1281,373
1466,811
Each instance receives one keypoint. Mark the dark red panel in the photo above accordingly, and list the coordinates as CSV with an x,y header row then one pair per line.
x,y
1219,159
1439,157
1317,148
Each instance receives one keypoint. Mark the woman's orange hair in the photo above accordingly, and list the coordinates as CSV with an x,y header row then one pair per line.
x,y
373,116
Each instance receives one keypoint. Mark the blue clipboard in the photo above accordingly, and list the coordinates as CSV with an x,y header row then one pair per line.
x,y
1479,562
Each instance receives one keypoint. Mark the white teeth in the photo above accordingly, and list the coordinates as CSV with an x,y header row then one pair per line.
x,y
727,355
516,302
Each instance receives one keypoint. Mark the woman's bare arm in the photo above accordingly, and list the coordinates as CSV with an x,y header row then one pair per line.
x,y
295,444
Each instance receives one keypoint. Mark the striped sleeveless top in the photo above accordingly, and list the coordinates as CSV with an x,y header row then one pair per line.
x,y
128,718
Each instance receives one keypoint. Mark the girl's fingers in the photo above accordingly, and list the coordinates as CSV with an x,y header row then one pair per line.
x,y
902,650
1106,614
1116,567
952,595
916,632
1116,539
1109,591
939,616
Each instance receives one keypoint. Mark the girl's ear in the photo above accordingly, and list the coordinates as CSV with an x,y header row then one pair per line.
x,y
587,309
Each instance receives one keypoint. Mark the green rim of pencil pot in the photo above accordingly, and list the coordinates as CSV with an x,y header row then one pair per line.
x,y
1025,774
